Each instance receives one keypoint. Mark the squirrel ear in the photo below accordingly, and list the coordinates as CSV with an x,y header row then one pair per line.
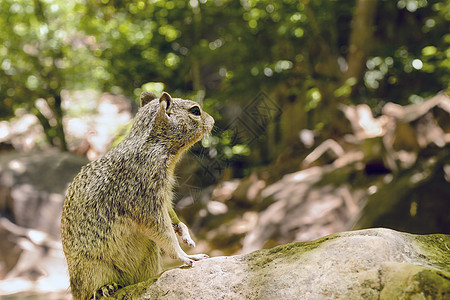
x,y
146,97
165,102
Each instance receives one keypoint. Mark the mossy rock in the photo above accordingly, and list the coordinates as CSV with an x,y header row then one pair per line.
x,y
365,264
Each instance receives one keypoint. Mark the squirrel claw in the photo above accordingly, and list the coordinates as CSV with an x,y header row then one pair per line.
x,y
187,262
189,259
188,241
198,257
106,290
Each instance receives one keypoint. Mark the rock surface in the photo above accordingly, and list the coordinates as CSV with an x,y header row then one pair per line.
x,y
32,188
366,264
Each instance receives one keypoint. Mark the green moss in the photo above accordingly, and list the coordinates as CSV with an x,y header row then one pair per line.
x,y
405,281
394,280
293,251
436,248
434,284
134,291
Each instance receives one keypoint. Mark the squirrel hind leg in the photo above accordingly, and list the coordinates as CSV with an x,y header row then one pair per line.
x,y
93,279
106,291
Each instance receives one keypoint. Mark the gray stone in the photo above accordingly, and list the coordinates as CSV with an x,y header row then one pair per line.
x,y
32,188
366,264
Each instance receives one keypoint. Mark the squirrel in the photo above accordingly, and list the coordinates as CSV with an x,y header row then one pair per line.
x,y
118,211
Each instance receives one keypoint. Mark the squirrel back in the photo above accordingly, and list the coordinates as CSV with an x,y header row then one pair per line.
x,y
118,210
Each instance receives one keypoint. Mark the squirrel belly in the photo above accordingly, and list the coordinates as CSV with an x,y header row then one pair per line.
x,y
118,210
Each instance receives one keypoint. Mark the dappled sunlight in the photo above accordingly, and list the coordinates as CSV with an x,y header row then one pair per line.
x,y
17,166
92,132
363,123
23,131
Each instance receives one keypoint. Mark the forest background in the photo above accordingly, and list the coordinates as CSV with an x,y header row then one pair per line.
x,y
307,56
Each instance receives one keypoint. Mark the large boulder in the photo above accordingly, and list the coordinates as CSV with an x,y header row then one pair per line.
x,y
365,264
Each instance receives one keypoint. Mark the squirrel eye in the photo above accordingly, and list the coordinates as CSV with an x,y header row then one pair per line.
x,y
195,110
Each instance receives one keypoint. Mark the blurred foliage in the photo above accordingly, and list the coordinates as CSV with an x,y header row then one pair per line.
x,y
43,52
222,51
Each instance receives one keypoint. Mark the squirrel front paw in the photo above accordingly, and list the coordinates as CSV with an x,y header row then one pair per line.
x,y
197,257
189,259
182,230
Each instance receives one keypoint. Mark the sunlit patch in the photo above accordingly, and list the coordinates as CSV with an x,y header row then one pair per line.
x,y
17,166
370,125
4,130
372,189
217,208
418,177
37,236
248,222
447,172
413,209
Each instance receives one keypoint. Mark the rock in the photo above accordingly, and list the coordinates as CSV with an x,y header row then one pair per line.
x,y
366,264
32,188
394,175
421,203
247,191
307,205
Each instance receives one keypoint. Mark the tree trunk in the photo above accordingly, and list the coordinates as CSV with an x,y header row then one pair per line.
x,y
361,39
57,110
52,123
196,34
46,126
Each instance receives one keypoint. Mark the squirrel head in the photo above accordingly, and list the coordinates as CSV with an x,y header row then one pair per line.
x,y
176,124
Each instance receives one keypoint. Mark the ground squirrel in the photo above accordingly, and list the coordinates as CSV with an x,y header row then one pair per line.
x,y
118,212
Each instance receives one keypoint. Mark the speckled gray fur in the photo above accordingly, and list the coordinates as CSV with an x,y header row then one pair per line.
x,y
117,212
